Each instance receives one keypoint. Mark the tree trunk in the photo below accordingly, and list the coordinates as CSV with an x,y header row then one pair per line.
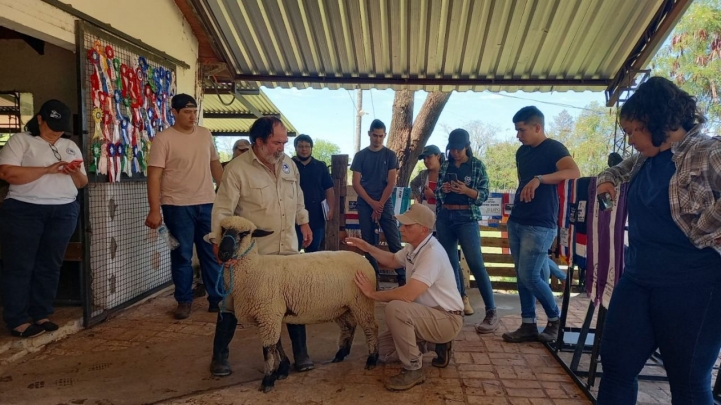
x,y
407,137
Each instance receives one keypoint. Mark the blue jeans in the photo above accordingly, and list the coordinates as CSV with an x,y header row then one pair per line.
x,y
454,227
188,224
318,235
34,239
529,248
681,320
551,268
390,230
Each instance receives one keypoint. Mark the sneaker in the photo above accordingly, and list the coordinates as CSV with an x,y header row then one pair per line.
x,y
490,323
528,332
213,307
550,333
405,380
467,308
443,354
183,310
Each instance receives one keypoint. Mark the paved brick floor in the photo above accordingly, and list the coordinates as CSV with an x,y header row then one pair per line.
x,y
145,356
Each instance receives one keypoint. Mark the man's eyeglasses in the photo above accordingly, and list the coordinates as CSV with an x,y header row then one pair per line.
x,y
55,152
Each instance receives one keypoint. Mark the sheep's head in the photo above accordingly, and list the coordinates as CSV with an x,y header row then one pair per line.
x,y
236,232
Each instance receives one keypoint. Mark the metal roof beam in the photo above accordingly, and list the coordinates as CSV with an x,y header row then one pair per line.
x,y
219,133
417,81
652,38
237,116
225,92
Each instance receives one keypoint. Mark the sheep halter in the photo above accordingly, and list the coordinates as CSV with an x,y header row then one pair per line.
x,y
222,292
246,251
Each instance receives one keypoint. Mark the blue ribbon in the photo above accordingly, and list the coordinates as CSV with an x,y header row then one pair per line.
x,y
118,97
124,122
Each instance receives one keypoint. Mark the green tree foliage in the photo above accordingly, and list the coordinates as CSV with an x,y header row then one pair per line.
x,y
588,137
481,135
592,138
500,161
692,56
561,127
224,146
323,150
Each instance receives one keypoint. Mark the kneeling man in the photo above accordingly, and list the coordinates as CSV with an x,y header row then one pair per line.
x,y
427,310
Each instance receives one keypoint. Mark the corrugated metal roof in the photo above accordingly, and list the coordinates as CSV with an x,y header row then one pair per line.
x,y
213,103
529,40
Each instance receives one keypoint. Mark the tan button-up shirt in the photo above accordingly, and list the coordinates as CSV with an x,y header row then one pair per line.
x,y
272,201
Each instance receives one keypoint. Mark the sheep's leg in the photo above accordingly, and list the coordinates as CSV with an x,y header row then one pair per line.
x,y
269,354
284,366
347,325
367,321
270,336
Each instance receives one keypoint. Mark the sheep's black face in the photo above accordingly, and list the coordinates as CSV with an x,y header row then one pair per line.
x,y
229,244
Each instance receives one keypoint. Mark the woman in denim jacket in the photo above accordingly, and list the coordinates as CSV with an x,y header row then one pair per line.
x,y
669,296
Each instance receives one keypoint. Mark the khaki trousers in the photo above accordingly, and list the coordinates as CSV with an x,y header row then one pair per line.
x,y
410,327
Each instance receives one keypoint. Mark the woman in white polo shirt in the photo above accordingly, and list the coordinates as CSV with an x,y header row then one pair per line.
x,y
38,217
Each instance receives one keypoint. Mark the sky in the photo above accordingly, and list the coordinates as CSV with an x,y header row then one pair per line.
x,y
331,114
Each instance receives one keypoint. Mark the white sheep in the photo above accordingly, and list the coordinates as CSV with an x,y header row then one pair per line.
x,y
299,289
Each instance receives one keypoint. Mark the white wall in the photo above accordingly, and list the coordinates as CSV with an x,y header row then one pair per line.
x,y
158,23
52,75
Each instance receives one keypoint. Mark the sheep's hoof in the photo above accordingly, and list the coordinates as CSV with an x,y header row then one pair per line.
x,y
341,354
283,369
372,361
268,383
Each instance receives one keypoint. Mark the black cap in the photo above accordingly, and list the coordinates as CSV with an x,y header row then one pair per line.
x,y
428,151
57,115
181,101
458,139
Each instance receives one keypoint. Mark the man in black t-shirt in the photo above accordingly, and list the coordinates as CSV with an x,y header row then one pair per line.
x,y
317,185
542,163
374,176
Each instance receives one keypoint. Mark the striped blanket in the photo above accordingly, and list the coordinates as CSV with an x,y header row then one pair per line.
x,y
606,231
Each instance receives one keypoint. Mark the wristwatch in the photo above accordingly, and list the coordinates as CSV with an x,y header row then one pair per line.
x,y
539,177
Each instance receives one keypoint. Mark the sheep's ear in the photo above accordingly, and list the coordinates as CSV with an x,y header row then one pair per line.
x,y
259,233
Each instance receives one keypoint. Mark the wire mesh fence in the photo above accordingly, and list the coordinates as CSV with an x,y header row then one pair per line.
x,y
126,95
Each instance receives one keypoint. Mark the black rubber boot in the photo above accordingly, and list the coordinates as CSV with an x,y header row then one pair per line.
x,y
224,332
300,350
528,332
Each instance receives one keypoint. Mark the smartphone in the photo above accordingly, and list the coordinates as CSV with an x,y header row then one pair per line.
x,y
450,177
605,202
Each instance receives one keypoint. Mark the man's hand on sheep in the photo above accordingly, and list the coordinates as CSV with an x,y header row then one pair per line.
x,y
367,287
307,234
358,242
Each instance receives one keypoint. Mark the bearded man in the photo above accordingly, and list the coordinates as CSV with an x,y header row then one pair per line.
x,y
262,185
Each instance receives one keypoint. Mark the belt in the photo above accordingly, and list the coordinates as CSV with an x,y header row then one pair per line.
x,y
453,207
450,312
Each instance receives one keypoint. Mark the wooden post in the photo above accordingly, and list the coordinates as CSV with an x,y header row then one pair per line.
x,y
339,173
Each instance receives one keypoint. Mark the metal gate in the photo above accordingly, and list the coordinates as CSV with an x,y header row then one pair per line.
x,y
124,93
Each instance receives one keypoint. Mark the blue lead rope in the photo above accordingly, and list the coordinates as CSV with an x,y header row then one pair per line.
x,y
223,293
